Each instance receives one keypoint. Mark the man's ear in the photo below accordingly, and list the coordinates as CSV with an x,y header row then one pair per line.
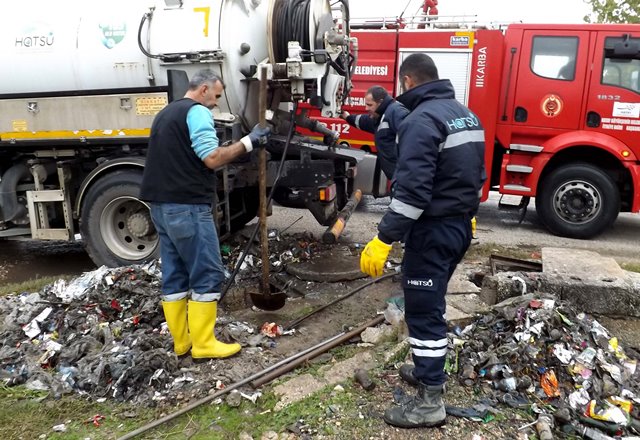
x,y
409,82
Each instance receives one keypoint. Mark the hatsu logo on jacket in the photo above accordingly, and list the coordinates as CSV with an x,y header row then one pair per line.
x,y
420,283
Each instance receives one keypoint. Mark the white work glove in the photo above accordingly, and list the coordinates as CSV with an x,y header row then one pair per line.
x,y
258,137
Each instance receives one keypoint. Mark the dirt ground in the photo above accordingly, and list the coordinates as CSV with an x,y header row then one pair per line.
x,y
304,297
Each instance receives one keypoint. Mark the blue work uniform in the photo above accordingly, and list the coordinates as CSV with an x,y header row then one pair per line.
x,y
385,130
437,186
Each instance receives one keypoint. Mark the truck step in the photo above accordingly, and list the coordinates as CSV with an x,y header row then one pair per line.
x,y
517,188
521,206
37,201
519,169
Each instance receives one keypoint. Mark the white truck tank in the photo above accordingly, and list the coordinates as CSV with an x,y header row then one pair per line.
x,y
95,69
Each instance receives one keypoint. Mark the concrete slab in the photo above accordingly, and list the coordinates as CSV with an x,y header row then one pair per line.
x,y
580,264
457,317
592,283
459,283
470,304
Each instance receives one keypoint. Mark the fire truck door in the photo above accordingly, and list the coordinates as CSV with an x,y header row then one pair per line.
x,y
613,104
550,79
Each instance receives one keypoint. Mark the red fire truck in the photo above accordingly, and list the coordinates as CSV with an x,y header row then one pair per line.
x,y
560,105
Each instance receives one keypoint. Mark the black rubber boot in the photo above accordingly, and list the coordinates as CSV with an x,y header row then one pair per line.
x,y
406,373
425,410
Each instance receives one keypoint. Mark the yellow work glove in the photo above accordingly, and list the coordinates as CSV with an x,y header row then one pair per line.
x,y
374,256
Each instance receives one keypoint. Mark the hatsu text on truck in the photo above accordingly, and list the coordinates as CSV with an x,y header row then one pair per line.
x,y
560,105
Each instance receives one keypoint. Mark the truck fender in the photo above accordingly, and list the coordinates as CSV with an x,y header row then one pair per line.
x,y
583,138
593,139
101,170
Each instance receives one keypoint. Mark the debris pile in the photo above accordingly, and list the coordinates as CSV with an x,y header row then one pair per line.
x,y
538,353
283,249
101,334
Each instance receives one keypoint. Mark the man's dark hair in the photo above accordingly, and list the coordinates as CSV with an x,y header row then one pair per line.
x,y
420,67
202,77
378,93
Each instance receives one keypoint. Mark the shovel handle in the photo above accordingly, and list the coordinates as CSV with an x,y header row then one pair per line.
x,y
264,239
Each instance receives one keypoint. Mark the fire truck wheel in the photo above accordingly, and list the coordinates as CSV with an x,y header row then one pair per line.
x,y
115,224
578,201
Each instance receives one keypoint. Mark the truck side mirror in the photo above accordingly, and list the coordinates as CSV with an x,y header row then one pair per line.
x,y
626,48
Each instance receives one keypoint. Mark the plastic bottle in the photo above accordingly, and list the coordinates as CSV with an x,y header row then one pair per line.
x,y
592,434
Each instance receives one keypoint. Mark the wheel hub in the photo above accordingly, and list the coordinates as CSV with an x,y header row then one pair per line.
x,y
577,202
127,230
139,224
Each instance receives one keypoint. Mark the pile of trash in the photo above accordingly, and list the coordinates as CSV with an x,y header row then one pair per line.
x,y
538,353
283,249
103,334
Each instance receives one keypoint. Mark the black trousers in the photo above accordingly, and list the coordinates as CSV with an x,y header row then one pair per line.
x,y
433,249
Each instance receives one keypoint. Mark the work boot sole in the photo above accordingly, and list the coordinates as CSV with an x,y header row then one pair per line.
x,y
399,424
406,373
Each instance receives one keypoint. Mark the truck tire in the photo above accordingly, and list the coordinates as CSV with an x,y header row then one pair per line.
x,y
244,207
115,224
578,201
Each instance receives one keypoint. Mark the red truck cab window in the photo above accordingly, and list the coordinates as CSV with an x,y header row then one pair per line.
x,y
621,71
554,57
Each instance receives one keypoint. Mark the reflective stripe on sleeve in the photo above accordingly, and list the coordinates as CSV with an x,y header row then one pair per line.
x,y
357,121
405,209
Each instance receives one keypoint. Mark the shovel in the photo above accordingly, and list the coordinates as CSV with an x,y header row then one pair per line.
x,y
268,298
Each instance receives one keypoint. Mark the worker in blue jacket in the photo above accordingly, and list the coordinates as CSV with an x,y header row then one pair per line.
x,y
383,117
438,179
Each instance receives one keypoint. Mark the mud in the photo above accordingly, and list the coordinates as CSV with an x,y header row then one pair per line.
x,y
22,260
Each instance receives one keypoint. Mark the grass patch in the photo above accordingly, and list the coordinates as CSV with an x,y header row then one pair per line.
x,y
28,414
34,285
325,412
631,267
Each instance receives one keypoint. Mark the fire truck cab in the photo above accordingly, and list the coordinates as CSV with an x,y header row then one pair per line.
x,y
560,105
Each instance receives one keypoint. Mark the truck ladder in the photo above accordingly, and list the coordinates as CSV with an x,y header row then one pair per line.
x,y
39,199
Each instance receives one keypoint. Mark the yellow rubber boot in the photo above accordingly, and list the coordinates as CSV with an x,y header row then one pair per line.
x,y
175,313
202,321
473,228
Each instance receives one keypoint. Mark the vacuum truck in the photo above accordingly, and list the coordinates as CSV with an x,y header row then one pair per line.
x,y
82,81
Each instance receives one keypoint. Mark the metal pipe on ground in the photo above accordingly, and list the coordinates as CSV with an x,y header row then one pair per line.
x,y
337,300
186,409
331,235
298,361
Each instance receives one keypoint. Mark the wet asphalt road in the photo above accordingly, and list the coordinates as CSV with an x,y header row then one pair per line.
x,y
494,226
24,260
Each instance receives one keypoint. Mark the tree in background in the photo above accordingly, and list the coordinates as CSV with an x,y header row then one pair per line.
x,y
613,11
